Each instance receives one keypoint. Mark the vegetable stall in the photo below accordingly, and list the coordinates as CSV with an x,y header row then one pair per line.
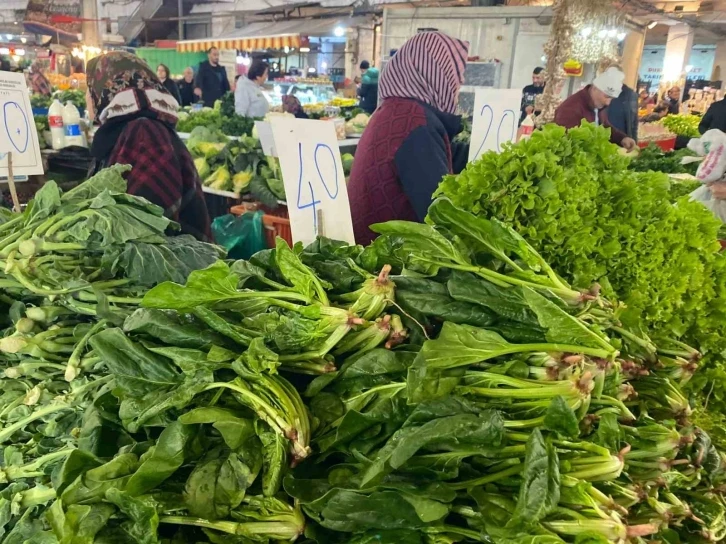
x,y
465,380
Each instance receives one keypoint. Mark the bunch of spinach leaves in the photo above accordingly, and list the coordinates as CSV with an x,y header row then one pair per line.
x,y
442,385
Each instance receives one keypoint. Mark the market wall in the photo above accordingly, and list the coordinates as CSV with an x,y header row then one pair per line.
x,y
514,35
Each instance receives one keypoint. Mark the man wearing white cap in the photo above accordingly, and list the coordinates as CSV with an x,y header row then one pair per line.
x,y
590,103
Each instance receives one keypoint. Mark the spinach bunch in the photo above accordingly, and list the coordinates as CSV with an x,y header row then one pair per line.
x,y
575,429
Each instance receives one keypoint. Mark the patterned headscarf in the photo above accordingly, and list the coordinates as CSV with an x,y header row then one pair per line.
x,y
122,84
429,67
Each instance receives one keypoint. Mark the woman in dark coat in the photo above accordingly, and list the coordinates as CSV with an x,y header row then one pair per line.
x,y
407,147
136,117
162,72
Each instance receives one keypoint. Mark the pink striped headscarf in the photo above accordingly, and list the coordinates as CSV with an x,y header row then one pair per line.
x,y
429,67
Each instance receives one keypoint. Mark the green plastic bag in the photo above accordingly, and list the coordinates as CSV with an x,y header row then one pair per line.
x,y
241,235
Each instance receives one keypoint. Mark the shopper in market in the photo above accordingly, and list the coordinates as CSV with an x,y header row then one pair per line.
x,y
249,101
672,101
407,147
162,72
715,117
291,104
531,92
368,90
211,82
590,103
186,87
39,84
136,117
623,109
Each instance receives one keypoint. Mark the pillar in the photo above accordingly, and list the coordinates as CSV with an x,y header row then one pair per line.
x,y
719,62
632,55
678,51
90,28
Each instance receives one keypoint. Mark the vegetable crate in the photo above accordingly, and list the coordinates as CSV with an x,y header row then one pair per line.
x,y
276,221
665,145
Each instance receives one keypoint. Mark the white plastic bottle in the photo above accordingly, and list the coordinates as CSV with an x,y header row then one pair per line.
x,y
55,121
72,125
527,128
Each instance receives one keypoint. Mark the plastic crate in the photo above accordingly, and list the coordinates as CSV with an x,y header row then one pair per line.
x,y
665,145
275,225
253,206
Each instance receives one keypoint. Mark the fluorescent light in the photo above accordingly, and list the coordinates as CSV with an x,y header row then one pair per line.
x,y
612,33
585,32
652,25
286,49
9,36
20,52
324,65
311,70
602,33
339,31
621,36
4,51
23,39
305,50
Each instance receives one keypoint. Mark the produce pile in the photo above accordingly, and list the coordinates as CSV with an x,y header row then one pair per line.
x,y
222,117
668,162
282,398
572,196
237,165
682,124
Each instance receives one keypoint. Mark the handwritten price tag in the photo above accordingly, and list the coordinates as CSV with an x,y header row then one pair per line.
x,y
496,118
17,128
317,197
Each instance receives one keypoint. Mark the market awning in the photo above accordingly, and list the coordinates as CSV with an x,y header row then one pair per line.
x,y
272,35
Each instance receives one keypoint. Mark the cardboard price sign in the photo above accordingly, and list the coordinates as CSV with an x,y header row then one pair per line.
x,y
17,128
312,171
496,119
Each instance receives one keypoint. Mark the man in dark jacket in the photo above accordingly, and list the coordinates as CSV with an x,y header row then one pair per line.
x,y
211,82
186,87
368,91
715,117
531,92
589,104
623,112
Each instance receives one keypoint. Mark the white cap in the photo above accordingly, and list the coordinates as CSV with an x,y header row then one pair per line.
x,y
610,82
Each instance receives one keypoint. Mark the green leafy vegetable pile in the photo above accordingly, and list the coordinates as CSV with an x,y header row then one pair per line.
x,y
573,197
40,101
654,158
682,124
207,117
283,398
237,165
76,96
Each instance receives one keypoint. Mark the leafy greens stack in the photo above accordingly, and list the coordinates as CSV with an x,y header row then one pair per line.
x,y
571,195
311,395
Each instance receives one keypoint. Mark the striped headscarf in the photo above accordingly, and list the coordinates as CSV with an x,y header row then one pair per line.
x,y
429,67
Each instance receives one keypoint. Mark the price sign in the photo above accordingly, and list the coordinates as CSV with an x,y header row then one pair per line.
x,y
317,197
17,128
496,118
264,133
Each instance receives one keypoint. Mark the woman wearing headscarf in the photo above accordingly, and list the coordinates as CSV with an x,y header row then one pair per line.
x,y
136,117
407,148
39,84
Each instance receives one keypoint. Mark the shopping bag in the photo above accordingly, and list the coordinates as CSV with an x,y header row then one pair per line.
x,y
241,235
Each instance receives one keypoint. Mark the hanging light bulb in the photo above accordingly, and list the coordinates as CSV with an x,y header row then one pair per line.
x,y
621,36
585,32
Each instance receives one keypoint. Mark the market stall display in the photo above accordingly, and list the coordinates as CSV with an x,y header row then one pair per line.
x,y
657,134
682,124
260,401
654,158
600,222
